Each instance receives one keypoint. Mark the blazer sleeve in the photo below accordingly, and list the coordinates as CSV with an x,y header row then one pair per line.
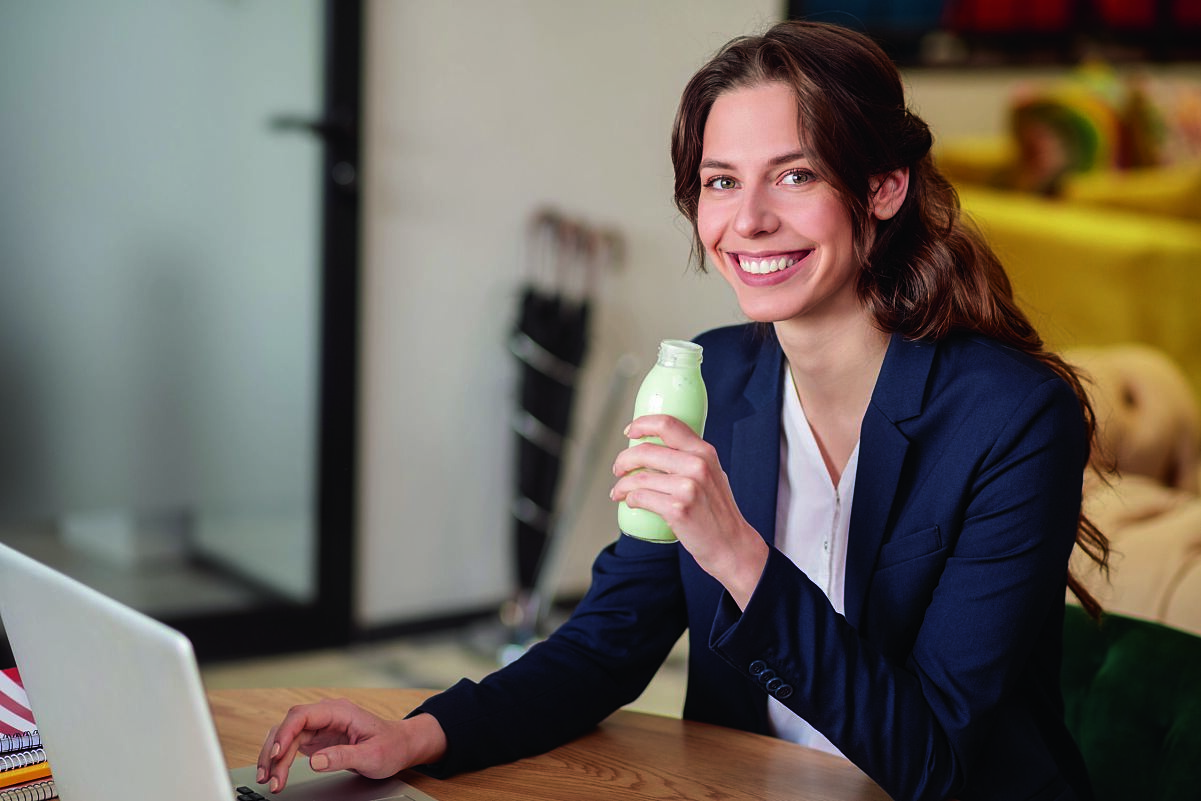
x,y
918,722
596,662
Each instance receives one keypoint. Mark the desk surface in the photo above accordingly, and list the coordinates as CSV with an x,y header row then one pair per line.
x,y
630,756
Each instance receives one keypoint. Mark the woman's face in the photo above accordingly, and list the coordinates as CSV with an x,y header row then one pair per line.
x,y
777,233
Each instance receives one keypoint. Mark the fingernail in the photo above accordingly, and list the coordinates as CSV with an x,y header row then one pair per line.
x,y
625,432
275,750
319,762
261,777
274,786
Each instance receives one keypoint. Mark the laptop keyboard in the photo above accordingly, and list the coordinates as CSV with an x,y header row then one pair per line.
x,y
248,794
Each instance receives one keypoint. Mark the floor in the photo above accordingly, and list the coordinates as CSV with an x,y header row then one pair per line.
x,y
430,661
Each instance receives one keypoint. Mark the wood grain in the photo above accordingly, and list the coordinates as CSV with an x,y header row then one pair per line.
x,y
632,756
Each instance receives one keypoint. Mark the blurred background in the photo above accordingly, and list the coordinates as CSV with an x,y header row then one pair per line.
x,y
263,263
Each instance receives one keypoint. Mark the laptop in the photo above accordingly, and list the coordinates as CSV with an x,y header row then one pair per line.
x,y
118,700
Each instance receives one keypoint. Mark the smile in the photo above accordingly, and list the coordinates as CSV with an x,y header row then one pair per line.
x,y
764,266
768,267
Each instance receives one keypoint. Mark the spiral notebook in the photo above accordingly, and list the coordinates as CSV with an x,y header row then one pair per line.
x,y
94,669
35,791
24,771
19,741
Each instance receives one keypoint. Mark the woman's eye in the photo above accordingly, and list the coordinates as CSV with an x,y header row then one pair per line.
x,y
720,182
797,177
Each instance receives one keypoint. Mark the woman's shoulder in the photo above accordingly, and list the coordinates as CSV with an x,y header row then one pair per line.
x,y
998,397
974,357
987,373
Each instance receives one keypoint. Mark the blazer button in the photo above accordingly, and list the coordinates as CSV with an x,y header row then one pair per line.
x,y
757,667
774,685
767,676
784,691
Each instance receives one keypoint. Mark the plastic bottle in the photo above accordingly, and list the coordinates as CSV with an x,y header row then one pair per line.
x,y
673,386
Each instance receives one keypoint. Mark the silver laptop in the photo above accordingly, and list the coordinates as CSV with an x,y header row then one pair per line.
x,y
118,700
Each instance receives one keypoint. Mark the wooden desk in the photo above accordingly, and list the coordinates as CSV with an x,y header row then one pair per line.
x,y
631,756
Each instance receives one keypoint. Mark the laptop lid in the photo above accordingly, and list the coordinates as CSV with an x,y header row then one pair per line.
x,y
118,699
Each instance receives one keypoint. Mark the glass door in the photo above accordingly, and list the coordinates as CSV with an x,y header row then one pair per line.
x,y
177,308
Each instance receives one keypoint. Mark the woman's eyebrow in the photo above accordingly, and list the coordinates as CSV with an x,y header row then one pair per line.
x,y
787,158
714,164
783,158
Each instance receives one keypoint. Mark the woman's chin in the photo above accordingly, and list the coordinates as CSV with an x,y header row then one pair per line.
x,y
760,313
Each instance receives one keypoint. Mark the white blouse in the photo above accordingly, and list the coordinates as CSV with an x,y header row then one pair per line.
x,y
813,518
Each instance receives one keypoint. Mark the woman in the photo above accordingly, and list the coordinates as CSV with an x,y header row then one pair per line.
x,y
875,530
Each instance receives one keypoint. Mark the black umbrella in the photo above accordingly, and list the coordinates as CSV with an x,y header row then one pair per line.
x,y
550,341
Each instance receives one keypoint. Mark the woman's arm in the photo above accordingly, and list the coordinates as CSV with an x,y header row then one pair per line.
x,y
599,660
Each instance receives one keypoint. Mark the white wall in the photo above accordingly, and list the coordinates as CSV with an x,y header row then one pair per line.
x,y
477,114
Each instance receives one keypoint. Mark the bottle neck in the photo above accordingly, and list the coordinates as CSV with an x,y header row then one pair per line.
x,y
679,353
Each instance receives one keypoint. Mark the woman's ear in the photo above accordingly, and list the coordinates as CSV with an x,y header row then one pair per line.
x,y
888,193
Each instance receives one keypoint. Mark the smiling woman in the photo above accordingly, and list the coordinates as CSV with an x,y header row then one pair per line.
x,y
874,529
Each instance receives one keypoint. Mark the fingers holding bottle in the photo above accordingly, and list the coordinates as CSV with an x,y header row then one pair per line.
x,y
682,482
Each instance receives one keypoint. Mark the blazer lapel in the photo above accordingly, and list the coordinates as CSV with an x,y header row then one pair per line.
x,y
898,396
755,447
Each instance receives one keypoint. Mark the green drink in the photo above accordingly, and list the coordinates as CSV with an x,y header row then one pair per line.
x,y
673,386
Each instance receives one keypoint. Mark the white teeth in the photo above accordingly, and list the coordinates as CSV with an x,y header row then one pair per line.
x,y
765,266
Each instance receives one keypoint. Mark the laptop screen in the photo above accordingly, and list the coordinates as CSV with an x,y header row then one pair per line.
x,y
118,699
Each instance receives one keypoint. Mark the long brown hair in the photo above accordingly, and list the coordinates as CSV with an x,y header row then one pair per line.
x,y
927,271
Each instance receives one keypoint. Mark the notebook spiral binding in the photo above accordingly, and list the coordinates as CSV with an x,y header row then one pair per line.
x,y
19,742
42,791
21,759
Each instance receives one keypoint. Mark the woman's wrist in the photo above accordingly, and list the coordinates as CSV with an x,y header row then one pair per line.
x,y
427,740
746,568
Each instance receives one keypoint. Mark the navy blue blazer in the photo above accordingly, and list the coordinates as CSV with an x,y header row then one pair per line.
x,y
941,680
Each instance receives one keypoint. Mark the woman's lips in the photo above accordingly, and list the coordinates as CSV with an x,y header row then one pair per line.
x,y
767,269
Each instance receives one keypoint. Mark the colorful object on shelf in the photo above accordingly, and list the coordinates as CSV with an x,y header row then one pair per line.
x,y
16,718
1094,120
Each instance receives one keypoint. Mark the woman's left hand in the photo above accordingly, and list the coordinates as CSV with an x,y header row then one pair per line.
x,y
683,482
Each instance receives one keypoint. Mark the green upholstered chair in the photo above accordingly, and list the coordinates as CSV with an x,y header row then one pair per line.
x,y
1132,695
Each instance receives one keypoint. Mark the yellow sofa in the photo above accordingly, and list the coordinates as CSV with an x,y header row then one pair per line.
x,y
1103,264
1169,191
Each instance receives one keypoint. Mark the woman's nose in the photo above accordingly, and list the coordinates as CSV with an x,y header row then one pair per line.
x,y
756,215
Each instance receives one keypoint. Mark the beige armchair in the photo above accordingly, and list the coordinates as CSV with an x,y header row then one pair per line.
x,y
1143,490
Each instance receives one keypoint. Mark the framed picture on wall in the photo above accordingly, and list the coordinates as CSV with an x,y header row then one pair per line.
x,y
1006,32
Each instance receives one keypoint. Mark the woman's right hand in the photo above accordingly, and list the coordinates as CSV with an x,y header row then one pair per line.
x,y
339,735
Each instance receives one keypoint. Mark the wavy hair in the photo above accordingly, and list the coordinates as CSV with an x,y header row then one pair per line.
x,y
928,272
